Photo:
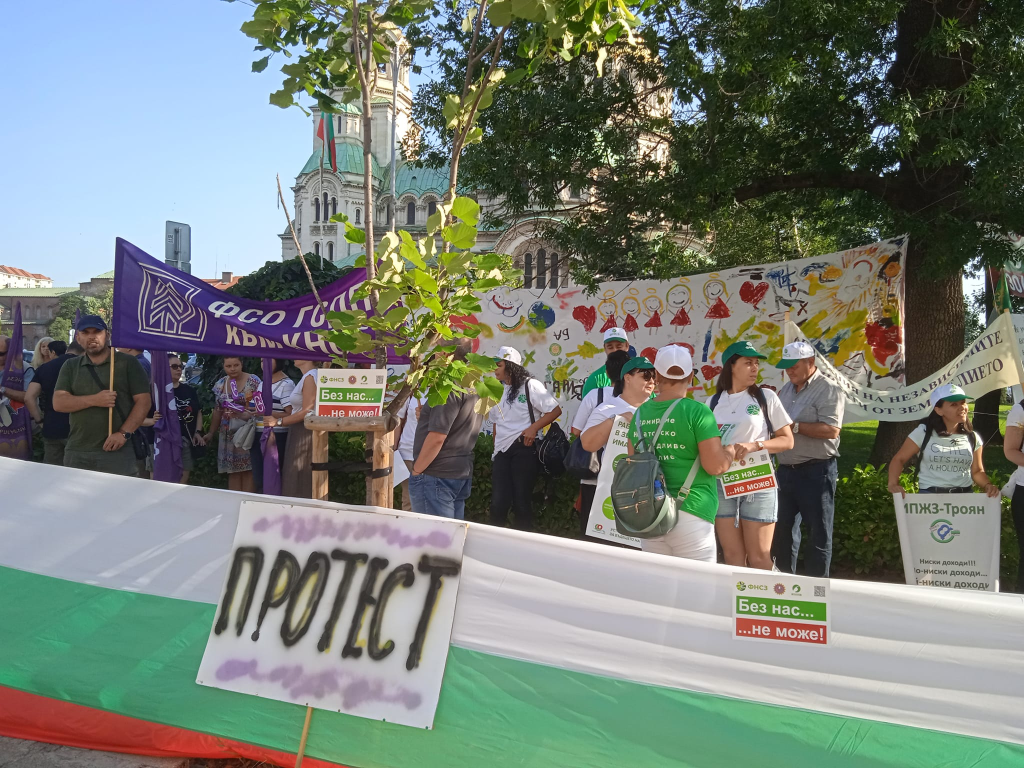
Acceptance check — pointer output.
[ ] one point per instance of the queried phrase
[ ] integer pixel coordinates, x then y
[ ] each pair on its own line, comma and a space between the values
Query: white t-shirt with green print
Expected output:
740, 419
510, 419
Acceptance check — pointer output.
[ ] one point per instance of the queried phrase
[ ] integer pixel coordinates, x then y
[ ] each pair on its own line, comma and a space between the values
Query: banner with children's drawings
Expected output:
850, 303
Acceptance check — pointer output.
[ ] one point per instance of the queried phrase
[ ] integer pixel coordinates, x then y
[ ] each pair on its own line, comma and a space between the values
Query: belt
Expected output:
808, 463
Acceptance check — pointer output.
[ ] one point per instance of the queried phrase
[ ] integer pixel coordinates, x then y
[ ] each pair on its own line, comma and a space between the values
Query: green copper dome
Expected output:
418, 181
350, 160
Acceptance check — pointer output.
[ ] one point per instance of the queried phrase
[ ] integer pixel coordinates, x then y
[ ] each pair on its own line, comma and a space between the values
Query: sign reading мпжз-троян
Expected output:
343, 610
780, 607
350, 392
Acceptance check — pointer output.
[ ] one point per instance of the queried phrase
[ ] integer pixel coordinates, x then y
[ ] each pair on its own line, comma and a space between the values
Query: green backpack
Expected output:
643, 508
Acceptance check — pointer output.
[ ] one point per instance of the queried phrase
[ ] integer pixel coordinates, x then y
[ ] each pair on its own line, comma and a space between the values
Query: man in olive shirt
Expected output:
615, 339
807, 472
85, 396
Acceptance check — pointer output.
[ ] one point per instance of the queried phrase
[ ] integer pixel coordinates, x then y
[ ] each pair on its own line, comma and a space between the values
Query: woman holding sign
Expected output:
950, 448
297, 469
752, 420
234, 394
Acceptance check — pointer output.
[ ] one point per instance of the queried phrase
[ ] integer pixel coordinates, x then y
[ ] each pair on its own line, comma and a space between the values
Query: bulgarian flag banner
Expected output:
325, 132
563, 654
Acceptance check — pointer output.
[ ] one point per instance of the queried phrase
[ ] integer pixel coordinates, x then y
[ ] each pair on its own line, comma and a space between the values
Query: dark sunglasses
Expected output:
176, 367
647, 373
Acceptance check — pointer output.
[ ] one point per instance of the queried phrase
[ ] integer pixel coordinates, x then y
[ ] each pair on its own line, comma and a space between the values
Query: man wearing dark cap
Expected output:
82, 391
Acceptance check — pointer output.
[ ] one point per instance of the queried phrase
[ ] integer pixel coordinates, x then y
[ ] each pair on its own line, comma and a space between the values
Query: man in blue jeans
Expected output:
442, 470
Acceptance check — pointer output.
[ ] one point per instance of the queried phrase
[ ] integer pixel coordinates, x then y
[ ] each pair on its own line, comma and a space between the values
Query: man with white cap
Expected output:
615, 339
807, 472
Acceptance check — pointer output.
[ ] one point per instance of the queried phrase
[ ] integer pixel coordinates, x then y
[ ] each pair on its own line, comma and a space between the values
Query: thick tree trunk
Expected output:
933, 335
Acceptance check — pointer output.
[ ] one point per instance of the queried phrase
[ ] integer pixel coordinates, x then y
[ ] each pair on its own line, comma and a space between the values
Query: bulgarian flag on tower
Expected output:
325, 132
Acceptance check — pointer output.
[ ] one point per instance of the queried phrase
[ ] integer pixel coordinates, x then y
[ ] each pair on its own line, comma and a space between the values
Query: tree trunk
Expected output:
986, 408
933, 335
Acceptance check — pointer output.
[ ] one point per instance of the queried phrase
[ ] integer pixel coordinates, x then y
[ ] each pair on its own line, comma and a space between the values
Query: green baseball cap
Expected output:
741, 349
638, 363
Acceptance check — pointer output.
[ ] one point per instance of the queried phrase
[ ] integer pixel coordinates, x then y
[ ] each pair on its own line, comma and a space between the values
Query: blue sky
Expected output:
121, 114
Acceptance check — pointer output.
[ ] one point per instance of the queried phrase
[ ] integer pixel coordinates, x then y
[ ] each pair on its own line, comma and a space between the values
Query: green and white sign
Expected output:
601, 524
751, 474
950, 540
780, 608
350, 392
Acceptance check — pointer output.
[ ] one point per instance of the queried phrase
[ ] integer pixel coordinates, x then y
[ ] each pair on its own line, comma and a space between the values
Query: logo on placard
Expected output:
743, 586
608, 509
598, 527
753, 410
323, 378
943, 531
740, 586
796, 589
780, 589
351, 379
165, 306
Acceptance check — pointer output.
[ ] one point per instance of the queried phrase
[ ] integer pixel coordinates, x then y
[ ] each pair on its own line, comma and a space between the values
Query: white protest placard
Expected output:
350, 392
751, 474
601, 524
781, 608
337, 609
950, 540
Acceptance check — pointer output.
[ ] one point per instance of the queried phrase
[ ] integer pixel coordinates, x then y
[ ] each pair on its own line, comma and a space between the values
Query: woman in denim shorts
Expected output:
745, 524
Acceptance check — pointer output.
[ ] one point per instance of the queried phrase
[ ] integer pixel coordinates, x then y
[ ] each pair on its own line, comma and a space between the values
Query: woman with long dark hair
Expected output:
751, 419
950, 448
525, 408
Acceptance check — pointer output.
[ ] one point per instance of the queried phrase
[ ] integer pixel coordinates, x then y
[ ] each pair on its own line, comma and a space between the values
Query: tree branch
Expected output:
879, 186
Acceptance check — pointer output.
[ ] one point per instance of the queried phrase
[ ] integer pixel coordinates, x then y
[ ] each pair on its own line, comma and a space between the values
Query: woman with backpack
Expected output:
751, 419
950, 449
525, 408
690, 453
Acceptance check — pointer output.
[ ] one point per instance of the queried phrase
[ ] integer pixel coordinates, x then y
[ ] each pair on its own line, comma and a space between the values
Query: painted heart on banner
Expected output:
710, 372
585, 315
650, 353
752, 294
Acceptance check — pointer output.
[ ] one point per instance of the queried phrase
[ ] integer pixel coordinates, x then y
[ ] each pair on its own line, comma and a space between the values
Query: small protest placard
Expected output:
350, 392
780, 608
751, 474
337, 609
601, 524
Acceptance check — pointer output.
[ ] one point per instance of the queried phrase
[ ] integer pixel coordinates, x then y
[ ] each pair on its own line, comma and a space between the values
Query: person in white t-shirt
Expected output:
592, 400
407, 421
746, 524
1013, 449
516, 465
950, 448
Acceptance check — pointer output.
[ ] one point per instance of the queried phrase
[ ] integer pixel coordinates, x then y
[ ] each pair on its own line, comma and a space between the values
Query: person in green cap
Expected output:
950, 448
751, 419
615, 340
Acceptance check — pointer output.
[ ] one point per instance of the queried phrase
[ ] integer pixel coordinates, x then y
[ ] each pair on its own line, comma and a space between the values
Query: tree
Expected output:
64, 319
902, 116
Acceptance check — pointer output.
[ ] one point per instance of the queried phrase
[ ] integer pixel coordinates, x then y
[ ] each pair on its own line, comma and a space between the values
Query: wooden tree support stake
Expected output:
305, 735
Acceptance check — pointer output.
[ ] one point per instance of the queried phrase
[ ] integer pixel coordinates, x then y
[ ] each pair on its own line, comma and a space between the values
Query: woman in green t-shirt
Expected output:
690, 434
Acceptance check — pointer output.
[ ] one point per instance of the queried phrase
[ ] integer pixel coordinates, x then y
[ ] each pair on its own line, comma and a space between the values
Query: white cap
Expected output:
616, 334
509, 353
673, 356
949, 393
794, 352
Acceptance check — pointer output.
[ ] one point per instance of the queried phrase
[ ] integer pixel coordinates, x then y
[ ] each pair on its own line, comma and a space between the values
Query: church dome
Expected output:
350, 160
418, 181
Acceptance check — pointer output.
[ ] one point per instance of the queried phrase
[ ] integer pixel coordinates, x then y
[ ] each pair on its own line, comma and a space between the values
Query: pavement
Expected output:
17, 753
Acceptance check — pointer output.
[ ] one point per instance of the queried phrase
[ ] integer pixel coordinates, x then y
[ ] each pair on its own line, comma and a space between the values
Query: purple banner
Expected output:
155, 304
16, 438
167, 431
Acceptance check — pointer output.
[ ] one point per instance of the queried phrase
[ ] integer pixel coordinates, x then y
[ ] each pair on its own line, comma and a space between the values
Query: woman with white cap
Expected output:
525, 408
950, 448
751, 419
690, 434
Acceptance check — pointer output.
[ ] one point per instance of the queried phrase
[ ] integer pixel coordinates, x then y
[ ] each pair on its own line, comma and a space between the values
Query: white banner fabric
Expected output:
601, 524
296, 625
993, 361
950, 540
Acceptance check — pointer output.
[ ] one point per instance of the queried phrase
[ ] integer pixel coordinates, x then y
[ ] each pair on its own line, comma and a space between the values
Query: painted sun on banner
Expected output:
849, 303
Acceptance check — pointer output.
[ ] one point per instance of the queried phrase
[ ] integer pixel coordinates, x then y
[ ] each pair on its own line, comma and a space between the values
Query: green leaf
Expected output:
467, 209
434, 222
602, 54
260, 64
460, 235
450, 110
387, 299
500, 13
258, 27
486, 284
515, 76
282, 98
467, 21
433, 305
481, 361
474, 136
353, 235
423, 280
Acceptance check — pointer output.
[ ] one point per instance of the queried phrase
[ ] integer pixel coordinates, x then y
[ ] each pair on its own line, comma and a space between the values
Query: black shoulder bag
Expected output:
139, 444
553, 447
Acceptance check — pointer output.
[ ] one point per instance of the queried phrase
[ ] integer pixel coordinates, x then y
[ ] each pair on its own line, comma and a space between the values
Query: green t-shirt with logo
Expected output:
690, 423
597, 380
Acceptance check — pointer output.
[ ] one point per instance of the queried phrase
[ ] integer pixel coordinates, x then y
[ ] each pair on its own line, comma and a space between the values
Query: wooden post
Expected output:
382, 489
319, 457
305, 731
110, 411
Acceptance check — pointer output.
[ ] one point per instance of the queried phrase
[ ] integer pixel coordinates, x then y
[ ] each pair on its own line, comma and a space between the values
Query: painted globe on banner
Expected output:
541, 316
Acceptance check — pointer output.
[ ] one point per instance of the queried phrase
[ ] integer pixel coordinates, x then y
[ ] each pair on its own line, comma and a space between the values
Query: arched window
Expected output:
341, 125
334, 206
359, 215
542, 268
316, 249
410, 213
325, 208
553, 279
316, 209
431, 208
528, 270
330, 251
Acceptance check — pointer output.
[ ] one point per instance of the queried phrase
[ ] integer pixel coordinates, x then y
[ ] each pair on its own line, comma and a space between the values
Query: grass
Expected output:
857, 440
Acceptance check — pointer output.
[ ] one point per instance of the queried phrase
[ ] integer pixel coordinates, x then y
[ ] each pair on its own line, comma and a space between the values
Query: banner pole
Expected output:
110, 411
302, 741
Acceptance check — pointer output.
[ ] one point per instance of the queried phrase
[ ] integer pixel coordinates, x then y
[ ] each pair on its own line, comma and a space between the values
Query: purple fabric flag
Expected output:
16, 438
167, 431
271, 468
